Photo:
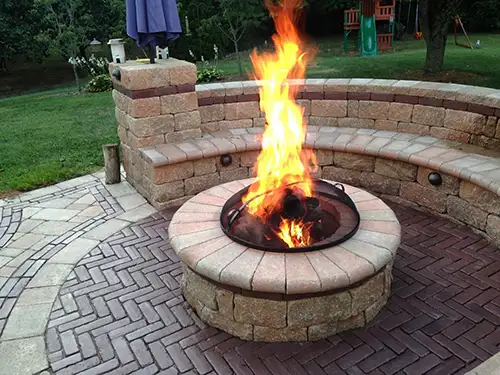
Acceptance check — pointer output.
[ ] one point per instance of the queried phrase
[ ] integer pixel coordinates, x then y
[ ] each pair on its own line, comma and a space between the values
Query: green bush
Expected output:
209, 74
100, 83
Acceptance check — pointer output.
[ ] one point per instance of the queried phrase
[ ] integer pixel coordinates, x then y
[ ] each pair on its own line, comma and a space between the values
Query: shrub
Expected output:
100, 83
209, 74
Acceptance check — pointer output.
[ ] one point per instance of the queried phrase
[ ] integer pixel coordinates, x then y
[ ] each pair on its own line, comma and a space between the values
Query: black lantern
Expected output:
226, 160
435, 179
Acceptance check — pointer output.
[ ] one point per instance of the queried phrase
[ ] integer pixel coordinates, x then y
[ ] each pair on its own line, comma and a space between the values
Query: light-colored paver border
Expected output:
34, 264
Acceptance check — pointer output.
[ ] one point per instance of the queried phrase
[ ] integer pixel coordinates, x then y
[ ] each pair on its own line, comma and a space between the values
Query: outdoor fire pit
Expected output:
283, 295
285, 257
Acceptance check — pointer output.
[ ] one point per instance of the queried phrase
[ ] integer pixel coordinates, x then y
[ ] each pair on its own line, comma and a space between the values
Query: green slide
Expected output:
369, 45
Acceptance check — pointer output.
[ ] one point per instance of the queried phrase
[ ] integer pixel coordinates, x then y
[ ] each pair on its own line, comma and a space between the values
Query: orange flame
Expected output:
282, 160
295, 233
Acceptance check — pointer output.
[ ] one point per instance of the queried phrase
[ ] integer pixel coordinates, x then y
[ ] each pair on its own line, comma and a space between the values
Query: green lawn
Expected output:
52, 136
55, 135
476, 67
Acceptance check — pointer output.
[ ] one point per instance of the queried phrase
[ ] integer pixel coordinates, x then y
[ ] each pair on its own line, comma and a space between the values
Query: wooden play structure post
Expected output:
458, 22
111, 164
364, 21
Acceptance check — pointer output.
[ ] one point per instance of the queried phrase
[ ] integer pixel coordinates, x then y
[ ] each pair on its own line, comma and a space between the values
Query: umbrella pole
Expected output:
152, 54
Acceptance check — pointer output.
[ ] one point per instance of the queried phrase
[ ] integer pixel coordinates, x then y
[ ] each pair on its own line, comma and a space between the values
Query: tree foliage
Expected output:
19, 25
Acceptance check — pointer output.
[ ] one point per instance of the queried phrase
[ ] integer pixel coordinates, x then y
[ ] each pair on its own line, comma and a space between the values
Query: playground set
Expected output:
374, 23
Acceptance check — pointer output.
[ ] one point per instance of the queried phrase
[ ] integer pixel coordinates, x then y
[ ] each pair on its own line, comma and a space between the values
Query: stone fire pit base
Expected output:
280, 317
272, 296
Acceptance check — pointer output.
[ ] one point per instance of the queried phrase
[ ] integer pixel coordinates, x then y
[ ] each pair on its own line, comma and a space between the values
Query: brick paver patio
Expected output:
120, 310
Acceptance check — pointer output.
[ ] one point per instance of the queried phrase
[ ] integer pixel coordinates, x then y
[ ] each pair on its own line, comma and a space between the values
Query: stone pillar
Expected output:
154, 104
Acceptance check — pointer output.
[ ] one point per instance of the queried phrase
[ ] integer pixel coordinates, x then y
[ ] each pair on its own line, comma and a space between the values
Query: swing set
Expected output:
385, 10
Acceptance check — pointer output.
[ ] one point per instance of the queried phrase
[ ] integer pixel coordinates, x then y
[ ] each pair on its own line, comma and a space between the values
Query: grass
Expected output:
56, 135
52, 136
475, 67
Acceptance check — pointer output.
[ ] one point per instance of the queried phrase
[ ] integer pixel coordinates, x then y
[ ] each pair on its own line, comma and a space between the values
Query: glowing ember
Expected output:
282, 160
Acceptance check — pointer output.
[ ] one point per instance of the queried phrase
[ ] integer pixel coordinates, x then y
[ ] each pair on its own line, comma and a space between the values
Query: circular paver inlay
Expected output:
268, 296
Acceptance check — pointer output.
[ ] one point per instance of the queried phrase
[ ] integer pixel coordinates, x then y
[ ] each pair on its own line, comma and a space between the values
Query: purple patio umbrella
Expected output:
153, 23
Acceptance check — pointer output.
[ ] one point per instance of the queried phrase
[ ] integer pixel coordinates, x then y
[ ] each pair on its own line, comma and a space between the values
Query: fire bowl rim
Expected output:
314, 247
197, 238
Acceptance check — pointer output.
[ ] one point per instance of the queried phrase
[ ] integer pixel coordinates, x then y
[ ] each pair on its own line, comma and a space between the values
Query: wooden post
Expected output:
111, 164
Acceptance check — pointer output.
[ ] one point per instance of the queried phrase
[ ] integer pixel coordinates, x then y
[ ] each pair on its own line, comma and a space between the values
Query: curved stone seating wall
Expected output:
393, 165
447, 111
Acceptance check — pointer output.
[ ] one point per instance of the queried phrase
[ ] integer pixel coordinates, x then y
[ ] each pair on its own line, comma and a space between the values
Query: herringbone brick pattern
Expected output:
122, 312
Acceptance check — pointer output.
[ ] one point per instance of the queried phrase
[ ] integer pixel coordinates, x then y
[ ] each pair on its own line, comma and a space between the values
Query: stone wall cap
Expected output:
200, 243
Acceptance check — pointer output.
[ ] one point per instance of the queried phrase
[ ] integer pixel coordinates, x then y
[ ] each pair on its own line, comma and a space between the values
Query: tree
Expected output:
435, 18
19, 25
237, 17
61, 27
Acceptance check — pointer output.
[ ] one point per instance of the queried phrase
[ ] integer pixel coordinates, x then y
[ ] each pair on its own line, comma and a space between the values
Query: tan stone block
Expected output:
373, 110
121, 117
248, 159
396, 169
259, 122
182, 72
321, 331
260, 311
358, 123
194, 185
218, 320
199, 288
225, 302
306, 104
211, 113
318, 310
268, 334
188, 120
148, 107
182, 135
123, 102
149, 126
244, 110
482, 141
324, 157
179, 103
467, 122
175, 172
400, 112
497, 133
228, 175
354, 161
353, 322
137, 142
429, 198
479, 197
386, 125
329, 108
493, 228
467, 213
122, 134
490, 127
323, 121
353, 108
166, 192
450, 184
235, 124
342, 175
410, 127
210, 126
380, 184
449, 134
433, 116
204, 166
367, 293
373, 310
136, 76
